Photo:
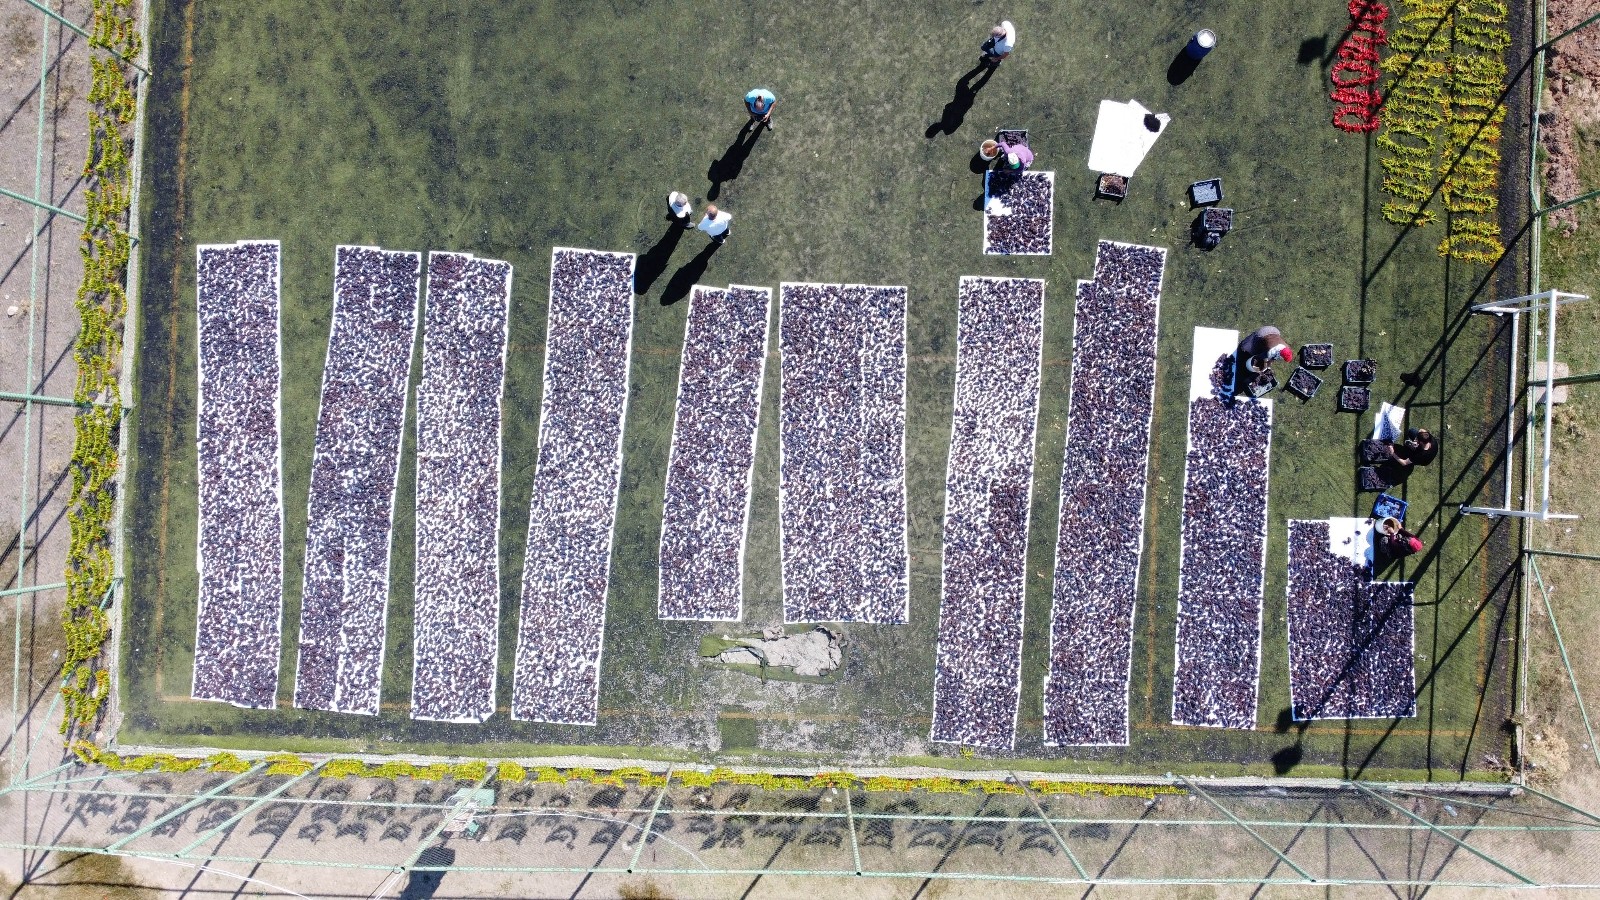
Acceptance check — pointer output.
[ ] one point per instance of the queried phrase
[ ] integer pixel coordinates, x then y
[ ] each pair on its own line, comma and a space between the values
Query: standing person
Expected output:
760, 102
679, 210
716, 224
1002, 40
1264, 345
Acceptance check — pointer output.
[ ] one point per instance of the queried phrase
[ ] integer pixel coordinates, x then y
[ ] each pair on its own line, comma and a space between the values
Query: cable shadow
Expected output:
688, 275
955, 112
727, 167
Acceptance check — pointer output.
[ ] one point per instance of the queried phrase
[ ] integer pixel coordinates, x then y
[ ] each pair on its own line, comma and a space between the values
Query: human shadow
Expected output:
425, 885
688, 275
654, 261
955, 112
727, 167
1183, 65
1312, 49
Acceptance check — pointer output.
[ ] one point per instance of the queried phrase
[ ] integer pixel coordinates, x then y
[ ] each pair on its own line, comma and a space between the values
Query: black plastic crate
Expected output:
1316, 356
1205, 193
1369, 480
1218, 219
1354, 399
1303, 383
1360, 371
1111, 187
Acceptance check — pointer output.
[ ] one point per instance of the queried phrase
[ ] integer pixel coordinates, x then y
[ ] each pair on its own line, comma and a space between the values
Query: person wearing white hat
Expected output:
679, 209
1002, 39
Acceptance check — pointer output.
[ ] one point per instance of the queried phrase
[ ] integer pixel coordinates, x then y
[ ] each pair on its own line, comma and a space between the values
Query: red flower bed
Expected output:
1355, 74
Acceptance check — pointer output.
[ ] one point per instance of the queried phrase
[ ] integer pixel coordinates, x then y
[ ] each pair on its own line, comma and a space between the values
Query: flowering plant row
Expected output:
101, 302
1355, 74
1442, 126
508, 772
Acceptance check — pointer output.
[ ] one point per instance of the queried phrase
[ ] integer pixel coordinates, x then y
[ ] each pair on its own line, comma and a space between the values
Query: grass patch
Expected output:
503, 131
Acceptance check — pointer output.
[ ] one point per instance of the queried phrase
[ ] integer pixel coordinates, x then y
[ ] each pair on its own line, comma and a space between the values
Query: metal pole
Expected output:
49, 715
1060, 842
1581, 198
1566, 661
1564, 554
50, 401
1561, 803
850, 816
260, 801
208, 795
1549, 397
1513, 513
27, 409
1576, 379
1444, 834
1511, 410
23, 785
1248, 830
32, 589
650, 823
73, 26
7, 192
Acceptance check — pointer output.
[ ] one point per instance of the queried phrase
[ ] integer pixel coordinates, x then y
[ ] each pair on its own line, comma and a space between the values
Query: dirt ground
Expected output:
1572, 98
39, 275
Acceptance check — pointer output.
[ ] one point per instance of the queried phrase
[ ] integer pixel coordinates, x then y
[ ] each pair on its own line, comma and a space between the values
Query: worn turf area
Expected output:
504, 129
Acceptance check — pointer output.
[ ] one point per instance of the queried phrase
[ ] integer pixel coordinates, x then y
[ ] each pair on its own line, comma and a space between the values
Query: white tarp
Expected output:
1351, 538
1121, 138
1390, 423
1209, 345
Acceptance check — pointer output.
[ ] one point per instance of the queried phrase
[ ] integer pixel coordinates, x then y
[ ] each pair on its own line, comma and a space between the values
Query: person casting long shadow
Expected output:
955, 112
688, 275
727, 168
654, 261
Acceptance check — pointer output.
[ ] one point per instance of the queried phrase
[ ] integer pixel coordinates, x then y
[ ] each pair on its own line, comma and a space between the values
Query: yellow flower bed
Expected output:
1442, 122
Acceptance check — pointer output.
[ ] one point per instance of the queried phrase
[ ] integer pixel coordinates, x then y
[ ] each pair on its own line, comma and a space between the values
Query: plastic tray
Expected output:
1386, 505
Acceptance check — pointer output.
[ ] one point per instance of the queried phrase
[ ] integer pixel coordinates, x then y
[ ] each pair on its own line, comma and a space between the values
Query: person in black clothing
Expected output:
1418, 449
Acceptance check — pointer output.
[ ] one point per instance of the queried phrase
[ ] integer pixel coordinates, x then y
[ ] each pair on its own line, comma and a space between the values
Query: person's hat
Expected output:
678, 197
1285, 353
1013, 160
1415, 544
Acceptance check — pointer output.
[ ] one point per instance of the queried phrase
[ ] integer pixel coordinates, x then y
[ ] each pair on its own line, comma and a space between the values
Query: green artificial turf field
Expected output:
505, 129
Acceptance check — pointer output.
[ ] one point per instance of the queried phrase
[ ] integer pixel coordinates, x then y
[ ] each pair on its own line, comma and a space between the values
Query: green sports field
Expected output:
506, 129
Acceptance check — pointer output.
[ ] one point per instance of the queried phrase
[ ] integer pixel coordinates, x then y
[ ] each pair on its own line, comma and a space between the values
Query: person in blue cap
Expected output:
760, 102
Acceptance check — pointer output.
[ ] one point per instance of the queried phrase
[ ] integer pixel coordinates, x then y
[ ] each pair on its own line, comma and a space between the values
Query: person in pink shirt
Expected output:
1016, 157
